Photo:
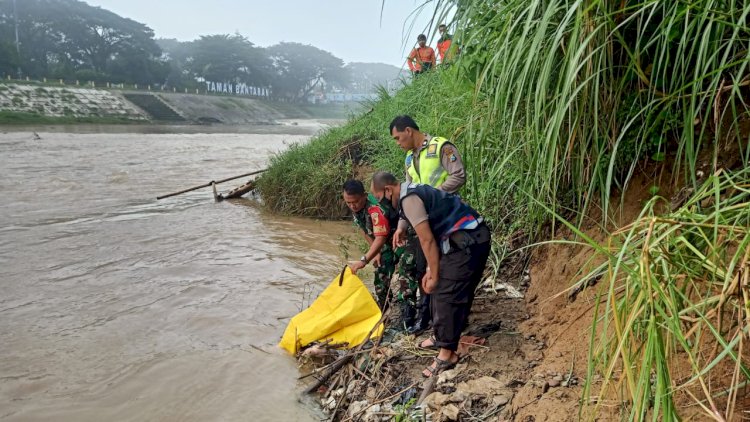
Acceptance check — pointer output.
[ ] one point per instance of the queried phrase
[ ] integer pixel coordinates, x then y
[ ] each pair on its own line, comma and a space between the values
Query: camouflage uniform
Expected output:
388, 258
408, 276
447, 174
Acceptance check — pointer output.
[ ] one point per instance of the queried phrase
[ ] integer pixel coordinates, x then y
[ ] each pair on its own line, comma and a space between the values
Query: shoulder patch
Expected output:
409, 158
449, 152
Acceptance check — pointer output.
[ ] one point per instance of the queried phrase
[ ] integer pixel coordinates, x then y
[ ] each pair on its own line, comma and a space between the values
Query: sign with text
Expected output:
236, 89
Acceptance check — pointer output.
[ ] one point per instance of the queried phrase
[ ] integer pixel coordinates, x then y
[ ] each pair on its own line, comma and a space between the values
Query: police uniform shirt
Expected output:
451, 162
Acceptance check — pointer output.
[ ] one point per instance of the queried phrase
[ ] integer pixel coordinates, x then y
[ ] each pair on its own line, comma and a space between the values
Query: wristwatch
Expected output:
363, 258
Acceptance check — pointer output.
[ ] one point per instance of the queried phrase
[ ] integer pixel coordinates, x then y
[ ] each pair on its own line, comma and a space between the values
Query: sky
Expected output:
350, 29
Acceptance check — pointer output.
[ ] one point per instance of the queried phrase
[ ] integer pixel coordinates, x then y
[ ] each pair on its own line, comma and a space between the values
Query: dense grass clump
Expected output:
307, 179
677, 309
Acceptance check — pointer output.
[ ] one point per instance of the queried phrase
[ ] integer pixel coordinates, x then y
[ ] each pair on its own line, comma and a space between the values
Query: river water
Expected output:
116, 306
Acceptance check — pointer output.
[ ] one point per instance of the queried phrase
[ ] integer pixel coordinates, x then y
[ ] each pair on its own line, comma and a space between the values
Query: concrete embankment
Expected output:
89, 104
220, 109
67, 102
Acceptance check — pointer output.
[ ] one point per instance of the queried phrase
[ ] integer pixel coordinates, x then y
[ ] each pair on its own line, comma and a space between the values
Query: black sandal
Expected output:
433, 346
440, 366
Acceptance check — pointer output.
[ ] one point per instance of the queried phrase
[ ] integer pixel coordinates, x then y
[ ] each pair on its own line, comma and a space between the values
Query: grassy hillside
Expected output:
555, 106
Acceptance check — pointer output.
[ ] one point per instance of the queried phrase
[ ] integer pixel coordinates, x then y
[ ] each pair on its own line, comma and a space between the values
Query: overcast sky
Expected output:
350, 29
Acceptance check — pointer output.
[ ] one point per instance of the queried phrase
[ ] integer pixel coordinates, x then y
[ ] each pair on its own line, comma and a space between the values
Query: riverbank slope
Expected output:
618, 197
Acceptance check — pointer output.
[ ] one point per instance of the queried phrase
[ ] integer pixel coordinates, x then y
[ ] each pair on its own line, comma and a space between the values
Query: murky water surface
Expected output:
115, 306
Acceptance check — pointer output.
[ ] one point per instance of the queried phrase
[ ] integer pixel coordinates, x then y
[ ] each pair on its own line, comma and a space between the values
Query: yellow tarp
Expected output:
343, 313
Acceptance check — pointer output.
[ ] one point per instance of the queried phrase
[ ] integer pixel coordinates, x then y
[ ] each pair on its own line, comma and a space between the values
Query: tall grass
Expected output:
575, 94
673, 330
307, 179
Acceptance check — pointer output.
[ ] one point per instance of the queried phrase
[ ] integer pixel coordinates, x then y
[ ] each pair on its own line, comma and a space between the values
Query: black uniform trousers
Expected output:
460, 273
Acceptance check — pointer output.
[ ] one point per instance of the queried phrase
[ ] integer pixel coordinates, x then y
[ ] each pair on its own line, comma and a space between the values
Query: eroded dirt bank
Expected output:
525, 358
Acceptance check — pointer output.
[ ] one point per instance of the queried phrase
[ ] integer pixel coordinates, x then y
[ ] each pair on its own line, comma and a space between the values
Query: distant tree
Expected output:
300, 69
8, 59
38, 33
177, 54
68, 37
228, 58
367, 76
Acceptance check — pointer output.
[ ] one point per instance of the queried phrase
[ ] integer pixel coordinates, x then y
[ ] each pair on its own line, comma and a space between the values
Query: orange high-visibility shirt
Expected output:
420, 56
443, 47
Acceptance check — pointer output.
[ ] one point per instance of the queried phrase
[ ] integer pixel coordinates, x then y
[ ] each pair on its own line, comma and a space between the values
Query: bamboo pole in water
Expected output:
205, 185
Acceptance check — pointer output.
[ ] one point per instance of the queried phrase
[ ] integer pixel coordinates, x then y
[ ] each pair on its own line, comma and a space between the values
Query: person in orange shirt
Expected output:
422, 58
444, 43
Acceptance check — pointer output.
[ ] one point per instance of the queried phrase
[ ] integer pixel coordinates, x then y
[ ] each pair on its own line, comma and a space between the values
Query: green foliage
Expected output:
403, 413
298, 179
59, 38
676, 310
300, 69
229, 58
581, 91
68, 39
8, 58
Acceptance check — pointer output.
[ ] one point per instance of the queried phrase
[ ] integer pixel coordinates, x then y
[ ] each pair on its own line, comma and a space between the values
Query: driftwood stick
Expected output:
323, 368
343, 360
209, 184
216, 194
332, 370
428, 386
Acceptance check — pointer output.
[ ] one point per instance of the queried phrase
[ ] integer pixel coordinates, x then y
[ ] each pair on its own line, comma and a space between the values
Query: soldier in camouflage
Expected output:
377, 222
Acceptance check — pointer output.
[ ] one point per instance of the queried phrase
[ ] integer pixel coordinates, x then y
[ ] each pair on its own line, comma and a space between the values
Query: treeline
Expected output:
69, 39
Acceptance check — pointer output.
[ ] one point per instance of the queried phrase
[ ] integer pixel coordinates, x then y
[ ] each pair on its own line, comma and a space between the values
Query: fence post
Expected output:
77, 82
174, 89
136, 86
196, 90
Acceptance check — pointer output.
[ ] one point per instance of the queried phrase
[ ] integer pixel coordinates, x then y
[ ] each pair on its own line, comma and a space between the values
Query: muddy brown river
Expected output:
116, 306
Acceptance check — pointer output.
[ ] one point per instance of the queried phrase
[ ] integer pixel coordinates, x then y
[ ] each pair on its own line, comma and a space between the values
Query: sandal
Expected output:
432, 346
440, 366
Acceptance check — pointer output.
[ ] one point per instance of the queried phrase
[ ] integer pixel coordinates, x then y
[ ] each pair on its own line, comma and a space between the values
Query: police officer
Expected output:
377, 223
432, 161
456, 243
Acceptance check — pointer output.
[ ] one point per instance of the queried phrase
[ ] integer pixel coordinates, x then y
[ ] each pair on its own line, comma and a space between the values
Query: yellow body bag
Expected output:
344, 312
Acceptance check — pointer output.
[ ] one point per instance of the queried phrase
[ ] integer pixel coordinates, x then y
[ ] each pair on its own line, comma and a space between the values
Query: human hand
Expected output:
428, 282
376, 261
399, 238
356, 266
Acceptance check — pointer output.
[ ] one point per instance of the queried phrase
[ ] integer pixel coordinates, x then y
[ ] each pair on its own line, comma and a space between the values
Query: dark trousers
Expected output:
460, 273
424, 313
